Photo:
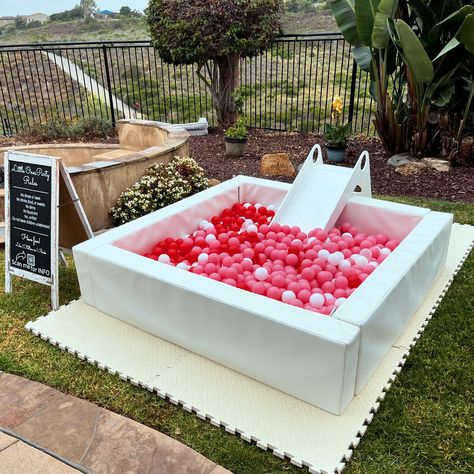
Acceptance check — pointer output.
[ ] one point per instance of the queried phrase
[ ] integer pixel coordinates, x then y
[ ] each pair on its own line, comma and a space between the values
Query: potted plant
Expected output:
236, 138
336, 134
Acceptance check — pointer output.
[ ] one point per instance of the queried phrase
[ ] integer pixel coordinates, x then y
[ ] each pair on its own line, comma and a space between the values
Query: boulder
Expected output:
213, 182
437, 164
399, 160
277, 164
411, 168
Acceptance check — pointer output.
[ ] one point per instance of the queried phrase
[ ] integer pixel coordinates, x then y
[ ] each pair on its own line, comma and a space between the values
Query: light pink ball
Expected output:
260, 273
316, 300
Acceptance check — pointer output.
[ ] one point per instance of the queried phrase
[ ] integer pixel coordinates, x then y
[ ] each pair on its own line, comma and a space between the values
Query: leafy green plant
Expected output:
216, 36
239, 130
415, 45
161, 185
58, 129
337, 134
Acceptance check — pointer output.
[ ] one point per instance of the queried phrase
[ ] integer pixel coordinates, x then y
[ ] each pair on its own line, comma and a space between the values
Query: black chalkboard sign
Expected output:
31, 219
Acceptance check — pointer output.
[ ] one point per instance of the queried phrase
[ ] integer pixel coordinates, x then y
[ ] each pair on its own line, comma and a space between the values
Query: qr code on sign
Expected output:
30, 260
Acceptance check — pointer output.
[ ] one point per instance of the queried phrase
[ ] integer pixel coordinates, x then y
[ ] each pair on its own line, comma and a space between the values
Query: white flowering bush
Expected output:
162, 184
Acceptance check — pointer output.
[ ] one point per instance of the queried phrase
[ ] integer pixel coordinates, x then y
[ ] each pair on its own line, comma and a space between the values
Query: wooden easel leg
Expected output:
62, 258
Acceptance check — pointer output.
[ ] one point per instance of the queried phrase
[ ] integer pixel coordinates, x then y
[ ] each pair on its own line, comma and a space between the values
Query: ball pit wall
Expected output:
286, 347
319, 359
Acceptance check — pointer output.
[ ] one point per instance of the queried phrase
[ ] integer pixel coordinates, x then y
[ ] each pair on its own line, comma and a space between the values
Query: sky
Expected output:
27, 7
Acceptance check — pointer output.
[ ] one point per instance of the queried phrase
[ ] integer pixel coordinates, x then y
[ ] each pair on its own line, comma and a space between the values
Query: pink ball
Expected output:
321, 235
391, 244
210, 268
274, 292
381, 238
328, 287
305, 284
214, 244
198, 269
308, 274
278, 281
215, 276
258, 288
274, 254
375, 252
294, 286
229, 281
268, 251
304, 295
341, 282
296, 302
291, 259
366, 252
323, 276
331, 247
227, 261
214, 258
234, 242
339, 293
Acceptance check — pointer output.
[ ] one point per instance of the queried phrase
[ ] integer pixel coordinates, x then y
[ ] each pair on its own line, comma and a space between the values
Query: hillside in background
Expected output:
136, 29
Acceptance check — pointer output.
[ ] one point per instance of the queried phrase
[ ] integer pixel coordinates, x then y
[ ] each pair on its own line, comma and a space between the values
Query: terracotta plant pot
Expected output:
336, 153
235, 146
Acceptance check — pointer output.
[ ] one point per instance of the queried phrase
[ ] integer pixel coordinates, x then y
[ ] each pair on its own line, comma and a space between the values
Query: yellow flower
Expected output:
337, 105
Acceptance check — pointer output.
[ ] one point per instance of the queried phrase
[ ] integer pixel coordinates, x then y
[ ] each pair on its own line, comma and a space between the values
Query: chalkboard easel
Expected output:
31, 220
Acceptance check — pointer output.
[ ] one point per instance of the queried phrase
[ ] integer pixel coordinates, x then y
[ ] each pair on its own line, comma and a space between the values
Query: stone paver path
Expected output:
17, 457
86, 435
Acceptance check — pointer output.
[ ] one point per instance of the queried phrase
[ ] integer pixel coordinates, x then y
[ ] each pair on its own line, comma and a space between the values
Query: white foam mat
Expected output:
289, 427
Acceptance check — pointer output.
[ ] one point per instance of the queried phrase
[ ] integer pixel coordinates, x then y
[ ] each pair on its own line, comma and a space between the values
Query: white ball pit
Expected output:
322, 360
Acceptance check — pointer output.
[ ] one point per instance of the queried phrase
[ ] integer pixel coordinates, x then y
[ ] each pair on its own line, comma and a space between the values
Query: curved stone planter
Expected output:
101, 172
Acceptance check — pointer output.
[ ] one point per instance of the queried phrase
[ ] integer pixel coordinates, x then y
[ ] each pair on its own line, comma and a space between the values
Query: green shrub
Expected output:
56, 128
239, 130
161, 185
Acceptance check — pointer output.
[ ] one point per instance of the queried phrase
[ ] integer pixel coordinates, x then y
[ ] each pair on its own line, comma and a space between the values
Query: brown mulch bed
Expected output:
455, 185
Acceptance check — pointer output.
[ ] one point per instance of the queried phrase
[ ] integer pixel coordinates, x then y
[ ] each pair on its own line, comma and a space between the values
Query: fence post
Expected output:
352, 93
109, 85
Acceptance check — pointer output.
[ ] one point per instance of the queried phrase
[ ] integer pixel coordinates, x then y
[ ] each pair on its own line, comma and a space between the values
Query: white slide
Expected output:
320, 192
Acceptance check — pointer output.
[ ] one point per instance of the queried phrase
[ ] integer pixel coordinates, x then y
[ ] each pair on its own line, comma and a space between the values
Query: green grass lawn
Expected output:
424, 425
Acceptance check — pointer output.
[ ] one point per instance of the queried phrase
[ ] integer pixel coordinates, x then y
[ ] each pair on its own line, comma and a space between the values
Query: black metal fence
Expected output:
289, 87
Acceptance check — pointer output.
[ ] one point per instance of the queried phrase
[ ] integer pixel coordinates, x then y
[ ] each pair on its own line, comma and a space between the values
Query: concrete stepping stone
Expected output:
87, 435
21, 458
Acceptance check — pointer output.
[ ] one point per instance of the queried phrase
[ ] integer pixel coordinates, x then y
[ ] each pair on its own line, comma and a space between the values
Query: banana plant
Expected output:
363, 24
423, 44
429, 81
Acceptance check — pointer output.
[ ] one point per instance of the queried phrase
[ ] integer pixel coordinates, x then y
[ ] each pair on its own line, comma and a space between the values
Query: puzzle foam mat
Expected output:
256, 412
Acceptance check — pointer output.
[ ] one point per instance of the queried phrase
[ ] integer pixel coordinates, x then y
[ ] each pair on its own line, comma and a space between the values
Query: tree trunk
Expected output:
228, 80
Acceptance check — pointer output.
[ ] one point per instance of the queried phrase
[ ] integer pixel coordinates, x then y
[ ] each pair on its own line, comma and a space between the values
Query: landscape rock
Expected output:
399, 160
411, 168
437, 164
213, 182
277, 164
